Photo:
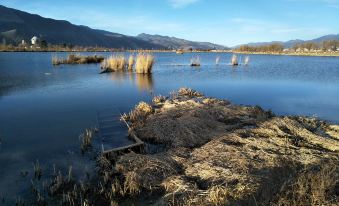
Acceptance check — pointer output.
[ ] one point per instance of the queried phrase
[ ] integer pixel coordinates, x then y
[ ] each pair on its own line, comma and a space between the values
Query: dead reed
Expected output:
247, 60
114, 63
130, 62
76, 59
37, 170
195, 61
144, 63
86, 139
217, 60
234, 60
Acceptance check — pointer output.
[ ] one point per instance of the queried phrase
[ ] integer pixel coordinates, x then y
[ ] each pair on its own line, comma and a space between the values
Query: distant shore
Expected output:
90, 49
320, 54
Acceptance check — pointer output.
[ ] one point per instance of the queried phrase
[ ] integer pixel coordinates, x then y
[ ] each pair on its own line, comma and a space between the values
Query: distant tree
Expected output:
43, 44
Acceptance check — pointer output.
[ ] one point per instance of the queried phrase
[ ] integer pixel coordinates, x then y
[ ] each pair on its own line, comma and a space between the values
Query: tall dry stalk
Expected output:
234, 60
247, 60
130, 62
195, 61
114, 63
217, 60
144, 63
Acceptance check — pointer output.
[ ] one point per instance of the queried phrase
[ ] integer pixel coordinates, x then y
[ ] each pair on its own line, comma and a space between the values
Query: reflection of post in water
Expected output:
144, 81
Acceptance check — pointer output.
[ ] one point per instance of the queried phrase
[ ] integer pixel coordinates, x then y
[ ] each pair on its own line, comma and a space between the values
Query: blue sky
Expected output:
219, 21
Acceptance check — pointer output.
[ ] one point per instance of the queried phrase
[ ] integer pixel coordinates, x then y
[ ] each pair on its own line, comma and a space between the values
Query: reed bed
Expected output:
76, 59
195, 61
144, 63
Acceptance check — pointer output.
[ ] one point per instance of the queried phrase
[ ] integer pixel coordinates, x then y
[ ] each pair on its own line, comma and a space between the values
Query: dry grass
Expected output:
86, 139
233, 155
247, 60
158, 99
218, 195
37, 170
195, 61
217, 60
76, 59
131, 62
144, 63
139, 114
114, 63
315, 185
234, 60
189, 92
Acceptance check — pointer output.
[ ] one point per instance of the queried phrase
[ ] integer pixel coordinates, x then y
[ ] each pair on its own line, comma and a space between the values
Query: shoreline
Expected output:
325, 54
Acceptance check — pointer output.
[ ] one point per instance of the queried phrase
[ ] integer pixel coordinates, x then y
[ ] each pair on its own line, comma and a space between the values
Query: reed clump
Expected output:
37, 170
195, 61
217, 60
114, 63
144, 63
86, 139
247, 60
76, 59
234, 60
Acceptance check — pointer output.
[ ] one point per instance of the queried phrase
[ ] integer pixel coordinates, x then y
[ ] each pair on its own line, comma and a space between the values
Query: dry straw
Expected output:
144, 63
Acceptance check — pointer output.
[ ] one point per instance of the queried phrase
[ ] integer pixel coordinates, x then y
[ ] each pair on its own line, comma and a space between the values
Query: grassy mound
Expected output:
224, 154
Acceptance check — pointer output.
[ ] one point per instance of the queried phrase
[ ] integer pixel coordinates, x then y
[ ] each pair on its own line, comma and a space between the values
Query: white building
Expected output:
34, 40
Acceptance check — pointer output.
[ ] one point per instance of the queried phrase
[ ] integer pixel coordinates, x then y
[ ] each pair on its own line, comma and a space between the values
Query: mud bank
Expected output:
218, 153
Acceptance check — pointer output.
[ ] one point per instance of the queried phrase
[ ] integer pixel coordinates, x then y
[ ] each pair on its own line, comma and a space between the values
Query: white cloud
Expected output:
181, 3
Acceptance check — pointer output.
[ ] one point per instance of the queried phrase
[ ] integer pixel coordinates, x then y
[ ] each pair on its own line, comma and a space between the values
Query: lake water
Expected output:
43, 108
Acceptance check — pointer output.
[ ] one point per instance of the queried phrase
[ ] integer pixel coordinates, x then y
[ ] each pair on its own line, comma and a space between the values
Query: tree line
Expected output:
329, 45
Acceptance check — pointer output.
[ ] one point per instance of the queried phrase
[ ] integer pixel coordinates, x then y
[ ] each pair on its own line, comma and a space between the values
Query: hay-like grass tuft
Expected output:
144, 63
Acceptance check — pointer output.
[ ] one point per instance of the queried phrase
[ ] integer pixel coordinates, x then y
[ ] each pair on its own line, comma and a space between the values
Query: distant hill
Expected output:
17, 25
176, 43
289, 44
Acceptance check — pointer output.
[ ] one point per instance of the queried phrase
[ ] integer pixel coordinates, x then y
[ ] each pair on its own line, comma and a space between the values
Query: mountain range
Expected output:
17, 25
291, 43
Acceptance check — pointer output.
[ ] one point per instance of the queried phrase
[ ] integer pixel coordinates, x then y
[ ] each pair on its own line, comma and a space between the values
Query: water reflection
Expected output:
144, 82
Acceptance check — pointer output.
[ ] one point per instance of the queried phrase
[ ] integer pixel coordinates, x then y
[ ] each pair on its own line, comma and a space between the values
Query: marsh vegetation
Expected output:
143, 63
76, 59
215, 153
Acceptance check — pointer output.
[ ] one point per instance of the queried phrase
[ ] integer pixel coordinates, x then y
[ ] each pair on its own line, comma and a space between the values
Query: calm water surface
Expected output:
43, 109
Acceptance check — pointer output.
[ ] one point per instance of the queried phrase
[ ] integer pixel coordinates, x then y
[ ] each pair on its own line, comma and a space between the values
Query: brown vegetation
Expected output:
195, 61
77, 59
144, 63
224, 154
114, 63
215, 153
